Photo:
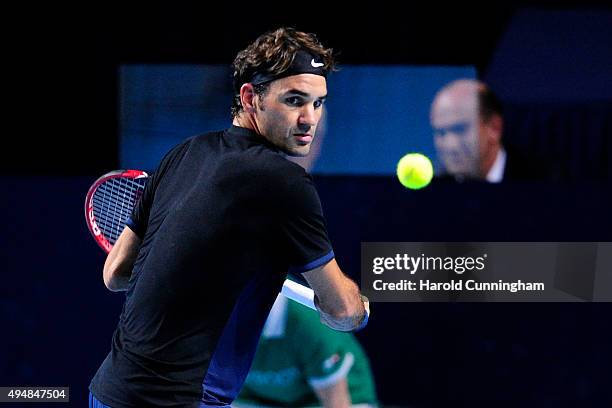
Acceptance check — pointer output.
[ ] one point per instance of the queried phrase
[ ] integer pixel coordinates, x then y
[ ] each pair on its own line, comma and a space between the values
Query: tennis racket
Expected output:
109, 203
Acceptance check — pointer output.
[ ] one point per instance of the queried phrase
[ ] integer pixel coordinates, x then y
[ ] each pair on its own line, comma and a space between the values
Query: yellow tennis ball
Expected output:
414, 170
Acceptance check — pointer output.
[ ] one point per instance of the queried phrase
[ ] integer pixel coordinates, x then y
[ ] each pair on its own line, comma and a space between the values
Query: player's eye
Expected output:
294, 101
318, 103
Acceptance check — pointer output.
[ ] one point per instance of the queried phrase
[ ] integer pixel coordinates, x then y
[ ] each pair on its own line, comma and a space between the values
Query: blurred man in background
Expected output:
467, 122
468, 125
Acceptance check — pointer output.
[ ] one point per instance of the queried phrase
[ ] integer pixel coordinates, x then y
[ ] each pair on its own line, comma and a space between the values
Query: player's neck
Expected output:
245, 121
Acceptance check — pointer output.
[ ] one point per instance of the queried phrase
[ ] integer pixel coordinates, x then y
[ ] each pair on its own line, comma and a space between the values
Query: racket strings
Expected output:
113, 202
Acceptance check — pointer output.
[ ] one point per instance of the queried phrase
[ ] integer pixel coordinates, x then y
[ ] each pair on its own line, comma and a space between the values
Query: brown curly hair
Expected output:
273, 53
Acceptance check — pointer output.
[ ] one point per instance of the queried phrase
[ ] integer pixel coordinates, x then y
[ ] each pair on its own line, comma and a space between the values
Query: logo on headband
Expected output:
316, 64
303, 63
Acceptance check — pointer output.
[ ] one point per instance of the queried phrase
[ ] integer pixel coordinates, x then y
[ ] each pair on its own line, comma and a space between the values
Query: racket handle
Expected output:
299, 293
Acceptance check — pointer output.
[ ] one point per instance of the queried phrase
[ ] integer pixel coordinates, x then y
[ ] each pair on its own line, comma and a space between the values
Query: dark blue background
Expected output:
58, 317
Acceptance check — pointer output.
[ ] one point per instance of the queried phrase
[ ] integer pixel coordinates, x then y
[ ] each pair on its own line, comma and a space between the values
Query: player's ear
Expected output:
247, 97
496, 124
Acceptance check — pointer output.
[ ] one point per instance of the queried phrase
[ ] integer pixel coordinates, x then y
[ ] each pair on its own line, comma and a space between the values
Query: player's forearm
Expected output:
120, 261
117, 275
337, 298
117, 284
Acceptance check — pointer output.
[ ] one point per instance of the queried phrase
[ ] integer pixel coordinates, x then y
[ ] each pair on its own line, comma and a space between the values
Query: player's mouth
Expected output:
303, 138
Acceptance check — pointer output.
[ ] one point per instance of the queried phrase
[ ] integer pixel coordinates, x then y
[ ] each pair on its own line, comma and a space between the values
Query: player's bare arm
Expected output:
120, 260
337, 297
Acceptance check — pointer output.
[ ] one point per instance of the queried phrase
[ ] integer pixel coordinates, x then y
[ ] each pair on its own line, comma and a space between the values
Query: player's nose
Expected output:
307, 119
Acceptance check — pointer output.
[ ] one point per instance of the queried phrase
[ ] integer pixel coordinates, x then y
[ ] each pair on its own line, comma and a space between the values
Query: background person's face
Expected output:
455, 126
290, 111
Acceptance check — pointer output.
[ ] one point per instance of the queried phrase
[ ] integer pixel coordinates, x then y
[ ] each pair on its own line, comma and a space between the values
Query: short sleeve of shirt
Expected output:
139, 218
304, 229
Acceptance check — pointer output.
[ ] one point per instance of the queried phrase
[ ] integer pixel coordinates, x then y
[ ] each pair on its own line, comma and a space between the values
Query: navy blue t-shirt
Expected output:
222, 220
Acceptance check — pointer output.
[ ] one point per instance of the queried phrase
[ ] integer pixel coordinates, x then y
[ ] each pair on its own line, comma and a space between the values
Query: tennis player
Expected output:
219, 225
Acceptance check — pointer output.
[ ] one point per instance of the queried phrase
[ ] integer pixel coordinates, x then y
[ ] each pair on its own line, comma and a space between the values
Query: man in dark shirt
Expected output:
219, 225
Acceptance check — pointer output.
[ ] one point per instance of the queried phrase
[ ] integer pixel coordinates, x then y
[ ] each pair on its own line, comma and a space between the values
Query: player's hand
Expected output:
346, 323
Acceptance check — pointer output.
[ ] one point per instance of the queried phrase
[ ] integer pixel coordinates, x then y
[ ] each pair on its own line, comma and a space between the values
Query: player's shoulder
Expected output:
205, 139
292, 182
198, 145
189, 146
273, 166
285, 169
192, 141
